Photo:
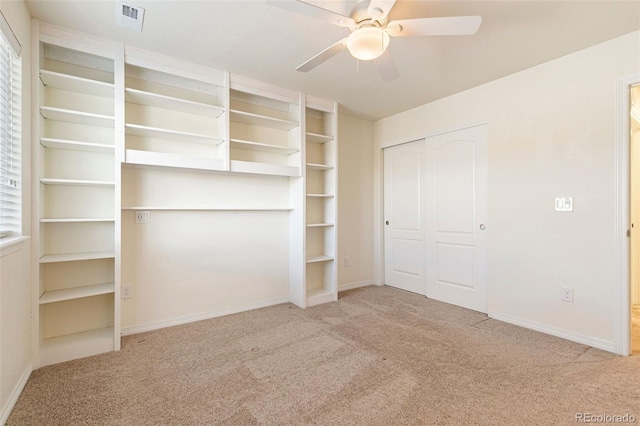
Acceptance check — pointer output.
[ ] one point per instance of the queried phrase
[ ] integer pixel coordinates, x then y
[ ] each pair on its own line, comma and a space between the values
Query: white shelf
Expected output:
264, 168
239, 116
318, 225
314, 166
319, 258
319, 296
76, 145
77, 220
320, 195
213, 209
175, 104
80, 117
317, 138
155, 132
264, 147
71, 257
77, 345
75, 182
76, 84
150, 158
76, 293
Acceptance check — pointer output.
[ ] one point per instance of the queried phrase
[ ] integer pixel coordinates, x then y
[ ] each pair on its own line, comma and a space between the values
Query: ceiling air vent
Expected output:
129, 17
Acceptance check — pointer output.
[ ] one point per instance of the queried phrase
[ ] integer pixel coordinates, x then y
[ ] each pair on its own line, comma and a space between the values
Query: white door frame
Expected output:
380, 225
622, 297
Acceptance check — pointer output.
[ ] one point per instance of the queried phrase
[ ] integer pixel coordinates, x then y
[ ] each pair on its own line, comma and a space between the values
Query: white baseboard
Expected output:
351, 286
564, 334
198, 317
15, 394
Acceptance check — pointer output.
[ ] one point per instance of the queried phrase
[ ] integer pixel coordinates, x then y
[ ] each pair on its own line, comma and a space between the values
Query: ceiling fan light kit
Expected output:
367, 43
370, 31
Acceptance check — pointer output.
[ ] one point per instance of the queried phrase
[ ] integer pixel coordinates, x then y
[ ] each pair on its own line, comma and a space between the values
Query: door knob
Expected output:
482, 227
387, 222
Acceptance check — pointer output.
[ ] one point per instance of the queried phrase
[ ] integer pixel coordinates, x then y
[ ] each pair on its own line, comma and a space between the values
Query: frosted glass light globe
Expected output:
367, 43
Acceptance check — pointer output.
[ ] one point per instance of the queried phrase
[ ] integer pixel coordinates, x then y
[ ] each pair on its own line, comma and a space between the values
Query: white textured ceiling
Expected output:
253, 39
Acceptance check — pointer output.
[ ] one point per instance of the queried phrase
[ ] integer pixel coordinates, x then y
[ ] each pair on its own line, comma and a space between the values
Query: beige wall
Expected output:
551, 134
355, 197
15, 260
188, 265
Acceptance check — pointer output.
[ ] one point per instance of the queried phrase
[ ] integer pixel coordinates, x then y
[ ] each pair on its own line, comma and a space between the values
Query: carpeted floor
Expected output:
378, 356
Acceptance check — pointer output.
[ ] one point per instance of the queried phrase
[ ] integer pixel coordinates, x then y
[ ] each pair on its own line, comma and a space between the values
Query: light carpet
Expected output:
378, 356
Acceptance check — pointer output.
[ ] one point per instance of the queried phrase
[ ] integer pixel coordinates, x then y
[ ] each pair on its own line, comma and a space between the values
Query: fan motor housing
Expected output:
360, 15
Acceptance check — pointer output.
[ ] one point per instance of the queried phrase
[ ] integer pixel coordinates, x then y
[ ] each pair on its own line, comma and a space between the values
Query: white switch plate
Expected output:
564, 204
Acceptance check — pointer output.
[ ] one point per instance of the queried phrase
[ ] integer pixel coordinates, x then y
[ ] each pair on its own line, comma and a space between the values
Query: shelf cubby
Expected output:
319, 258
172, 103
75, 182
79, 117
160, 133
77, 84
318, 138
73, 257
76, 293
76, 345
264, 147
150, 158
252, 119
76, 145
319, 167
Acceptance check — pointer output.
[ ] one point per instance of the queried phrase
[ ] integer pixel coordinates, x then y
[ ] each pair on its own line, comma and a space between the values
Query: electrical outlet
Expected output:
567, 294
143, 217
126, 292
347, 262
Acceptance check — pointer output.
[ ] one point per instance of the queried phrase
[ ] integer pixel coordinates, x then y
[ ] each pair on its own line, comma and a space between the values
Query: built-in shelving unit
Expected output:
192, 145
320, 215
172, 120
75, 311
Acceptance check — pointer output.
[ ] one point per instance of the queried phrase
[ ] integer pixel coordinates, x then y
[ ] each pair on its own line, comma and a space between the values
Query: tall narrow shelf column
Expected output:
321, 201
74, 240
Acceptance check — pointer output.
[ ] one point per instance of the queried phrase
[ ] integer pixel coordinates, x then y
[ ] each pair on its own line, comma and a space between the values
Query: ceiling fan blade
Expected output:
452, 25
327, 53
312, 11
379, 9
387, 67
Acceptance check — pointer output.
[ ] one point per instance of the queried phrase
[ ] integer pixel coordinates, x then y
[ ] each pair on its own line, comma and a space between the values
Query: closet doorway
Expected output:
435, 217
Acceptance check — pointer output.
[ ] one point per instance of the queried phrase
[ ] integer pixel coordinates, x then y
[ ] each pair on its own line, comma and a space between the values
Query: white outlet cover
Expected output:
564, 204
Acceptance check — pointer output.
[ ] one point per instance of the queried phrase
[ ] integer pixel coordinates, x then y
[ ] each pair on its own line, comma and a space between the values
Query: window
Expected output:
10, 133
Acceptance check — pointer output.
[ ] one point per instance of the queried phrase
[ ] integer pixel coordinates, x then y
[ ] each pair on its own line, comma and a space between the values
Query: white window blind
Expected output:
10, 138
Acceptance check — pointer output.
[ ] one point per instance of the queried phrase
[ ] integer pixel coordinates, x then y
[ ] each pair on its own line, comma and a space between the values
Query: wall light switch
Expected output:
564, 204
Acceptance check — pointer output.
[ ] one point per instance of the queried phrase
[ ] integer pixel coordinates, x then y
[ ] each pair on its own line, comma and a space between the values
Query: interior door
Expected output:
456, 213
404, 216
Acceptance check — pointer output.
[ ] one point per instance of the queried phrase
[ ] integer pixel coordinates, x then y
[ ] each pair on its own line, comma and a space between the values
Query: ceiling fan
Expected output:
370, 29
